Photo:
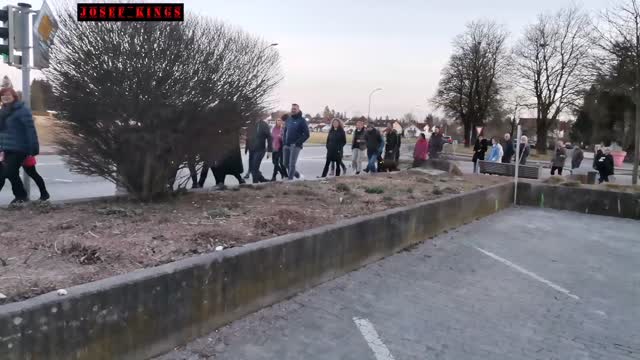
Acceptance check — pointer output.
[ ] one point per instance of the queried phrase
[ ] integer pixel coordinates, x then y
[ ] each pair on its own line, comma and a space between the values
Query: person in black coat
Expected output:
509, 150
336, 140
436, 143
479, 150
392, 148
374, 142
604, 164
225, 162
259, 142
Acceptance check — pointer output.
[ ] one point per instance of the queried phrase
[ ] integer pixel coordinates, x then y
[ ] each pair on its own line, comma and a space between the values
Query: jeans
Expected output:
356, 162
11, 170
278, 164
373, 162
291, 153
554, 168
255, 160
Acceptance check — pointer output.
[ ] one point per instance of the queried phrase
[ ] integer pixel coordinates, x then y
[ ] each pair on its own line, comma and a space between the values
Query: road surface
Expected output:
522, 284
65, 185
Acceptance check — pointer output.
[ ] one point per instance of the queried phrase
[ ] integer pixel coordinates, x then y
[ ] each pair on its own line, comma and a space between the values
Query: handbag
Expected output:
29, 161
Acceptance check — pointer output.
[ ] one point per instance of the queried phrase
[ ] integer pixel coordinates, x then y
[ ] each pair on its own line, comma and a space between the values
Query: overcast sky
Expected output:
334, 52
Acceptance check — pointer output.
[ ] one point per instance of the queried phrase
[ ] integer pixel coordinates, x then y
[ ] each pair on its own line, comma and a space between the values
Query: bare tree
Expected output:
470, 86
408, 118
552, 65
136, 100
619, 65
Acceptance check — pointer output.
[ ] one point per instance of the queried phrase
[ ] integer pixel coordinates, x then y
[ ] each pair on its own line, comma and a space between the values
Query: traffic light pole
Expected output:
25, 12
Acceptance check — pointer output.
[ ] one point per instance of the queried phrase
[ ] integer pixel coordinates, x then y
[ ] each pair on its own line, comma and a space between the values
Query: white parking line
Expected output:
373, 339
529, 273
63, 180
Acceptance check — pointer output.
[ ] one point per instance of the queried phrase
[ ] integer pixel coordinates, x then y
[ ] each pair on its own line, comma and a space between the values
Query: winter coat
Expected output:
374, 140
509, 152
276, 139
17, 130
296, 131
524, 153
496, 153
596, 158
392, 147
605, 164
559, 157
421, 149
479, 150
359, 141
259, 138
436, 143
578, 156
229, 160
336, 140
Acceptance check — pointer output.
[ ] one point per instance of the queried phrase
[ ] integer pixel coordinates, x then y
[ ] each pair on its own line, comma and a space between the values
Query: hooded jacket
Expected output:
296, 131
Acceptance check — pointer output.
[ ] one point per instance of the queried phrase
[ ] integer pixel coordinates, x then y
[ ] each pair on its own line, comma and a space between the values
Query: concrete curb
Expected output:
580, 199
148, 312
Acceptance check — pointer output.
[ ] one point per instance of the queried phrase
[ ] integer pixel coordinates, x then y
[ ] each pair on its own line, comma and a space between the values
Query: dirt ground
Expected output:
46, 247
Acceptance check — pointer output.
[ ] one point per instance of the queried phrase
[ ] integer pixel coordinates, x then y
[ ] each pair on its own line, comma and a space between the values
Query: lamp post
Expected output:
370, 95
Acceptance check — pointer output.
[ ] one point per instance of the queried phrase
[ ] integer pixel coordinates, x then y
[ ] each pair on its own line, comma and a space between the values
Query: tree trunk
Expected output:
541, 132
467, 133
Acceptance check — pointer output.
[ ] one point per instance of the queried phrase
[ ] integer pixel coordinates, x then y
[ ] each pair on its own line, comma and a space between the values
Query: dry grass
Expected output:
60, 246
320, 138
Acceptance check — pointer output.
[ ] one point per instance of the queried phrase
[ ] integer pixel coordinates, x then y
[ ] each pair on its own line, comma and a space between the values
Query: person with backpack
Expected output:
18, 140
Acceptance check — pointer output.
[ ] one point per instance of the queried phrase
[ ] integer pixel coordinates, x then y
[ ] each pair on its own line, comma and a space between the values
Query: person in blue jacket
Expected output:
496, 153
18, 139
296, 133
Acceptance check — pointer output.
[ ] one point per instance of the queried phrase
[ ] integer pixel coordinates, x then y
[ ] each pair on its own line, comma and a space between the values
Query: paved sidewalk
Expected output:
523, 284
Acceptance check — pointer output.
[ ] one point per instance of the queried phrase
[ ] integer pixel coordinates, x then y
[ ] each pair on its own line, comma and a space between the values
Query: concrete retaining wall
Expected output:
580, 199
149, 312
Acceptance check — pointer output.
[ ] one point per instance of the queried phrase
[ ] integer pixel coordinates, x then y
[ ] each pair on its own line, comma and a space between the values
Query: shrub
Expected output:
374, 190
342, 187
137, 100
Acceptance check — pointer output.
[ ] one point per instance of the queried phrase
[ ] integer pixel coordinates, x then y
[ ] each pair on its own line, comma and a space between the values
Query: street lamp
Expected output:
370, 95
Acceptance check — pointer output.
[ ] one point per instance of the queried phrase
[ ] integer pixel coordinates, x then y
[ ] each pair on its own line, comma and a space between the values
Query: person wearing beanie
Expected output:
18, 140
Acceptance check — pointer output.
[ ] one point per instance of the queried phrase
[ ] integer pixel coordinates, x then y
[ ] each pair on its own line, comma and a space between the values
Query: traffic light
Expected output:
6, 34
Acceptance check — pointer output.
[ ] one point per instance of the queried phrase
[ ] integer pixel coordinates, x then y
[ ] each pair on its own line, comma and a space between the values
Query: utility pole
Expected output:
636, 159
25, 47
